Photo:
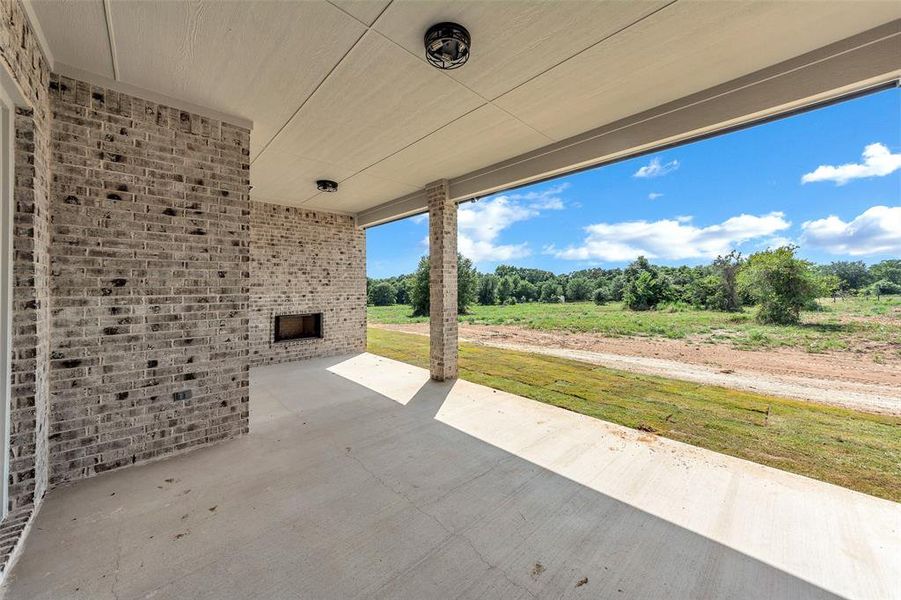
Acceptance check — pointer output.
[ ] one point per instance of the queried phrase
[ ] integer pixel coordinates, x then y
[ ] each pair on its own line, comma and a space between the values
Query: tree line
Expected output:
776, 281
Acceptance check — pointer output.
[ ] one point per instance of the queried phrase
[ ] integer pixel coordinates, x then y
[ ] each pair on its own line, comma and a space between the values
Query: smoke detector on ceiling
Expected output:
447, 45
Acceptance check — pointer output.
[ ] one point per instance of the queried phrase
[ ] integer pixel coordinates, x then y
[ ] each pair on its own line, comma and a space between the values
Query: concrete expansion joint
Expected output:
450, 532
493, 567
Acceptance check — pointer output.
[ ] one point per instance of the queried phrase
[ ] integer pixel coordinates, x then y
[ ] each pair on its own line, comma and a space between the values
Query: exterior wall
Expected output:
150, 255
147, 221
301, 262
442, 282
29, 407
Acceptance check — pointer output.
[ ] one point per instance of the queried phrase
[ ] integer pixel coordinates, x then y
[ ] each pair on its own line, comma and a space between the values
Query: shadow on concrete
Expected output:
343, 492
544, 531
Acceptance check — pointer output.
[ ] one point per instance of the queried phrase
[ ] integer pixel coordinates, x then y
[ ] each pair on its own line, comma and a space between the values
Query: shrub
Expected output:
616, 288
383, 294
883, 287
780, 283
676, 306
578, 289
644, 286
887, 269
550, 292
601, 296
403, 290
506, 288
851, 275
727, 268
706, 292
526, 291
487, 293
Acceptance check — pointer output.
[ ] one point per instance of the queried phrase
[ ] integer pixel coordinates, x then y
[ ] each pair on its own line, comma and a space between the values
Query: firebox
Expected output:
297, 327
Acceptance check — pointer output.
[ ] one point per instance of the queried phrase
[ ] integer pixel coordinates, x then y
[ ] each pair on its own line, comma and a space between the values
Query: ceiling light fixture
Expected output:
447, 45
326, 185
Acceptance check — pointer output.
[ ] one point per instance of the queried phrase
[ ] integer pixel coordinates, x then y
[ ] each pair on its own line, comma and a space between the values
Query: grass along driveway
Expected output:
861, 324
857, 450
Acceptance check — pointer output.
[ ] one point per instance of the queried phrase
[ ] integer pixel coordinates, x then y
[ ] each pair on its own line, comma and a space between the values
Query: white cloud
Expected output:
481, 223
420, 218
655, 168
654, 196
670, 239
877, 230
777, 241
878, 161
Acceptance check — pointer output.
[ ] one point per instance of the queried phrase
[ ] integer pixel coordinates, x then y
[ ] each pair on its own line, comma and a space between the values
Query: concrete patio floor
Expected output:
362, 479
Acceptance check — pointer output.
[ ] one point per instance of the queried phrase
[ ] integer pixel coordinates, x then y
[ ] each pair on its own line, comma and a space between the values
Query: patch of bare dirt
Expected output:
848, 379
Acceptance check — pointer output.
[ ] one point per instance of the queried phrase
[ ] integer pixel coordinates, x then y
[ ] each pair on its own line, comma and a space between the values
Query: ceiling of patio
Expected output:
341, 90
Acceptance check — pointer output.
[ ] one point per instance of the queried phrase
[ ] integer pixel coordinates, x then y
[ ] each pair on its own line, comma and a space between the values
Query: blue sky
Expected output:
828, 180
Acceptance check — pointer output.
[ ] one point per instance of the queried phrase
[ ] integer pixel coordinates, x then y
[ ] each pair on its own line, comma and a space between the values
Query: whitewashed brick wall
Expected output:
304, 261
29, 401
150, 275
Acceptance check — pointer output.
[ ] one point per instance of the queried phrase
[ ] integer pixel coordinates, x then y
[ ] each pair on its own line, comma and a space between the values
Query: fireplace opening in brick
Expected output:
298, 327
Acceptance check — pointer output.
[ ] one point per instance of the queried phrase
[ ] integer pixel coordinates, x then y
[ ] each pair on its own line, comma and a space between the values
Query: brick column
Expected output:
442, 282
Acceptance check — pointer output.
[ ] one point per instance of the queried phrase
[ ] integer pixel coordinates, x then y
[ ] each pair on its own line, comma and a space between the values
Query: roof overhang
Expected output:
863, 63
341, 89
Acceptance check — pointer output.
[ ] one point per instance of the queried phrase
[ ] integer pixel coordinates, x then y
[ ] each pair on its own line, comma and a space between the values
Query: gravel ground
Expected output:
843, 379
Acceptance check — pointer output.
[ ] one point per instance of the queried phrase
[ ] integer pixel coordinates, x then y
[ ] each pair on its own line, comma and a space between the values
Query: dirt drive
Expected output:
845, 379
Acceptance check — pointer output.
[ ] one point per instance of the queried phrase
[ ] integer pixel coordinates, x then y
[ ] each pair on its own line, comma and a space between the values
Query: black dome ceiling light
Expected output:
326, 185
447, 45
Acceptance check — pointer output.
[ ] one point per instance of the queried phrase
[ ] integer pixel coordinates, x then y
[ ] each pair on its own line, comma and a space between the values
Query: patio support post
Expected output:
442, 281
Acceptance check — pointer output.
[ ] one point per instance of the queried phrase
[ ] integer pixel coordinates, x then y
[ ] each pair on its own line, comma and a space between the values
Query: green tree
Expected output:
828, 285
526, 291
467, 280
466, 286
644, 286
487, 292
616, 287
853, 275
506, 287
533, 276
403, 290
727, 268
889, 270
550, 292
601, 295
419, 289
382, 294
883, 287
705, 292
578, 289
780, 284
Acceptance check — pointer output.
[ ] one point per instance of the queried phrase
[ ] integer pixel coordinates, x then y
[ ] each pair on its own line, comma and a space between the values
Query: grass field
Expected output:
860, 451
845, 324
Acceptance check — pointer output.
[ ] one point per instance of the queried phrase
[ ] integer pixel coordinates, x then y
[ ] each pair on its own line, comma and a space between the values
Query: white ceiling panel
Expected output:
684, 48
258, 60
90, 49
340, 89
288, 179
365, 10
359, 192
377, 101
465, 145
512, 40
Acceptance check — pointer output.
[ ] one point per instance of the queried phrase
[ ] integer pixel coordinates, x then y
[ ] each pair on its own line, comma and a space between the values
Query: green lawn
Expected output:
843, 325
857, 450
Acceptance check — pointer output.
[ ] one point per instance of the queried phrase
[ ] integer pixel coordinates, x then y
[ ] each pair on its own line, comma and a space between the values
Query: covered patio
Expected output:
188, 407
361, 478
